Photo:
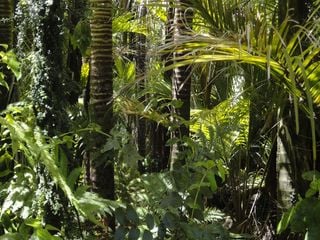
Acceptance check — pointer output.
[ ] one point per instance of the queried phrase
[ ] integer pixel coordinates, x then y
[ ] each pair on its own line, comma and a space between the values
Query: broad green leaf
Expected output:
12, 236
150, 221
120, 233
35, 223
127, 23
170, 220
147, 235
73, 177
209, 164
81, 37
199, 185
132, 215
120, 216
285, 220
44, 234
5, 46
212, 180
134, 234
12, 63
313, 233
172, 200
3, 81
62, 161
5, 172
51, 228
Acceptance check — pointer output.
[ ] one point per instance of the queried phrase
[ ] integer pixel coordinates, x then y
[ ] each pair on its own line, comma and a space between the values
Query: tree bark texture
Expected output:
181, 79
101, 93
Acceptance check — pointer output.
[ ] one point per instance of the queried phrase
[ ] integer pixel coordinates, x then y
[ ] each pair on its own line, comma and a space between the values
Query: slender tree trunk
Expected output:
101, 93
160, 152
289, 165
141, 72
181, 80
284, 170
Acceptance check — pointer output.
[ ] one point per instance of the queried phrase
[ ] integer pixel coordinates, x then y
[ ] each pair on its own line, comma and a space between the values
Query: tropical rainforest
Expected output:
159, 119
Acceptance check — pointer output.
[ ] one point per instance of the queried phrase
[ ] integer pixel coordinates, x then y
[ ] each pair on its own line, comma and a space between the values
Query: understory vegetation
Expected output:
149, 119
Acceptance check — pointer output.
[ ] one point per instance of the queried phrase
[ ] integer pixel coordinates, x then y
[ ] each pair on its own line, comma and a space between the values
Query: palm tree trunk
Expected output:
181, 80
284, 170
141, 71
290, 163
101, 93
160, 152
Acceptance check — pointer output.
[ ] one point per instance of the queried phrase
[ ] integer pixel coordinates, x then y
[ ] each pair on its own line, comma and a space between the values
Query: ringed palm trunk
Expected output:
101, 165
181, 79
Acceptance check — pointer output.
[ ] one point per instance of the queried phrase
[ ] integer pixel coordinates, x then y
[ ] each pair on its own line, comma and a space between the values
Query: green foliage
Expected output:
166, 205
10, 60
225, 127
81, 37
304, 216
45, 168
127, 23
23, 196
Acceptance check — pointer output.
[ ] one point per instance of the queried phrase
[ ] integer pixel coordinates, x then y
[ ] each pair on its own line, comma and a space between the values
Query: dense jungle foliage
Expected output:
159, 119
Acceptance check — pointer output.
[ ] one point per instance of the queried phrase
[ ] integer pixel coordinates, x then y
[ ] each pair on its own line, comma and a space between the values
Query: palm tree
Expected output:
101, 94
238, 31
181, 78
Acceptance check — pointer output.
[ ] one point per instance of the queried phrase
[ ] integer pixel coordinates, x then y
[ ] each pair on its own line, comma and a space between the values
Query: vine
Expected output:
40, 44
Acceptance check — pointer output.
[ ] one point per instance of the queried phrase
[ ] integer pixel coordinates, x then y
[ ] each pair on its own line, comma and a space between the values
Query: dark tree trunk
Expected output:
101, 98
141, 72
160, 152
5, 38
181, 81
